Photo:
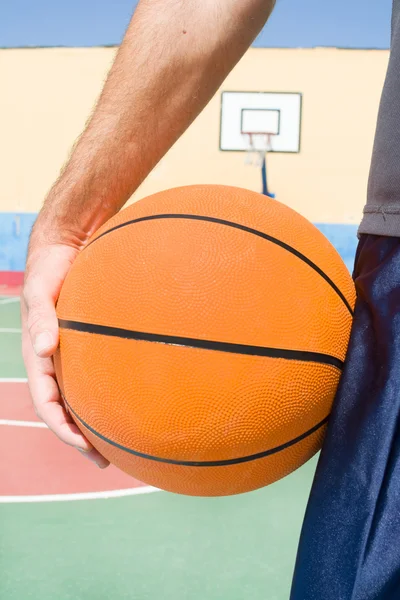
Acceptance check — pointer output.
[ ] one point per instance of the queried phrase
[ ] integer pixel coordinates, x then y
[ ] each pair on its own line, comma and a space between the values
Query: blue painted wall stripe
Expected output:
15, 229
344, 238
14, 235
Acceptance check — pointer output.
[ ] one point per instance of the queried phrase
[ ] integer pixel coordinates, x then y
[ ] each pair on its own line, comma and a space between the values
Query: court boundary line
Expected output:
17, 423
9, 300
104, 495
10, 329
138, 491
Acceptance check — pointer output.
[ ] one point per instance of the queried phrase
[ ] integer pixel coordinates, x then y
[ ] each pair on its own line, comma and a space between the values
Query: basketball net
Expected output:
257, 146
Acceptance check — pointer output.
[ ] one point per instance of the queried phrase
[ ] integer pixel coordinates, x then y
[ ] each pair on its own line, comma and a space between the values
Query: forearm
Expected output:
174, 56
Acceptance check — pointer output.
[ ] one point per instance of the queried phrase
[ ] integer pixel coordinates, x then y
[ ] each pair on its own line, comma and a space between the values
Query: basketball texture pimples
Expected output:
202, 336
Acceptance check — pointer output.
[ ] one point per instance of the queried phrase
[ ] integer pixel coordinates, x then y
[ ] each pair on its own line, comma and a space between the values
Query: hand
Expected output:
47, 267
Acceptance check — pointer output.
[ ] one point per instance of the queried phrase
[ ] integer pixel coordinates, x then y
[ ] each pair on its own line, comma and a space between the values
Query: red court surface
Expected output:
37, 462
10, 290
11, 283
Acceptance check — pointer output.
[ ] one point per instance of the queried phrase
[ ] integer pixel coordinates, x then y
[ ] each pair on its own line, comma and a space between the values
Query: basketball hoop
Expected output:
257, 146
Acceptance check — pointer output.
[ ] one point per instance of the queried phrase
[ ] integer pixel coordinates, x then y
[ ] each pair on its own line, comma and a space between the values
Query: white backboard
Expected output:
260, 112
260, 120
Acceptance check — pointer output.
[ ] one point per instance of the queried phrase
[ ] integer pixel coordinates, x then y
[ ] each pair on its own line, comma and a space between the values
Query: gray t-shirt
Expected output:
382, 212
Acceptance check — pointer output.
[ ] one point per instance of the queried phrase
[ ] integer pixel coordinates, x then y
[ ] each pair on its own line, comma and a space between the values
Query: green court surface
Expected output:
154, 546
10, 339
149, 546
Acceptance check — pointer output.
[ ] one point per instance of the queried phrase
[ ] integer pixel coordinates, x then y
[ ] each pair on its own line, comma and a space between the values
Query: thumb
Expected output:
46, 270
39, 317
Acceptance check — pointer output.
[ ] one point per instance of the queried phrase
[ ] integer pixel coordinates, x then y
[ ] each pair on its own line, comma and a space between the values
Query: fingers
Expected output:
96, 457
48, 404
46, 271
40, 319
49, 408
45, 275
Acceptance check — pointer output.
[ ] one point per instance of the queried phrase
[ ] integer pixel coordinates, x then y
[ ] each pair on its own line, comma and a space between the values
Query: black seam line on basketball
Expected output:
194, 463
302, 355
260, 234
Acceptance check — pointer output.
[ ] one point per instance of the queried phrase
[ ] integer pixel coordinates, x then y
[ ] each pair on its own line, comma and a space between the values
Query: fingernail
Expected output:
43, 341
86, 454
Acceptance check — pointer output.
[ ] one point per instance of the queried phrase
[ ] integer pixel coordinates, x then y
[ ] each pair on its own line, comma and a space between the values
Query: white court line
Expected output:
10, 300
80, 496
64, 497
10, 330
16, 423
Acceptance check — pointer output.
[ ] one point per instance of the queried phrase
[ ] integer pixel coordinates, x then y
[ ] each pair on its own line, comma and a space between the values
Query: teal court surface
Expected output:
69, 531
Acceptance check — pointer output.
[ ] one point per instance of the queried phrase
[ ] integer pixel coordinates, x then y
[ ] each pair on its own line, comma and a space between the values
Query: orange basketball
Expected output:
203, 333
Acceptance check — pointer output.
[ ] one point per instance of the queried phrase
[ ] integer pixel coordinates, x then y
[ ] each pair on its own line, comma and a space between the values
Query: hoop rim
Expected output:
269, 133
267, 137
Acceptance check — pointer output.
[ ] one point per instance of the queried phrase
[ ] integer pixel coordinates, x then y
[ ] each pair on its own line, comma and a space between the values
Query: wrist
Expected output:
70, 217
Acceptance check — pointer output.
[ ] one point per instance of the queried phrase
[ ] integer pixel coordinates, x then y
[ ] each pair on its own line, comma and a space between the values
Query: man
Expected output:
174, 56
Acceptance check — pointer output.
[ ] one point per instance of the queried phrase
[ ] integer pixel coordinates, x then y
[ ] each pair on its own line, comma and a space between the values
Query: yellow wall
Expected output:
47, 94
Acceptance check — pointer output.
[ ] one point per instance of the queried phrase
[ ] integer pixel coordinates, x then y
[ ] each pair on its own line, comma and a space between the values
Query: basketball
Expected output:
203, 332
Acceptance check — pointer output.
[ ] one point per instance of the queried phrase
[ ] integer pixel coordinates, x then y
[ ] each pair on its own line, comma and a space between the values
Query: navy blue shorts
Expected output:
350, 542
